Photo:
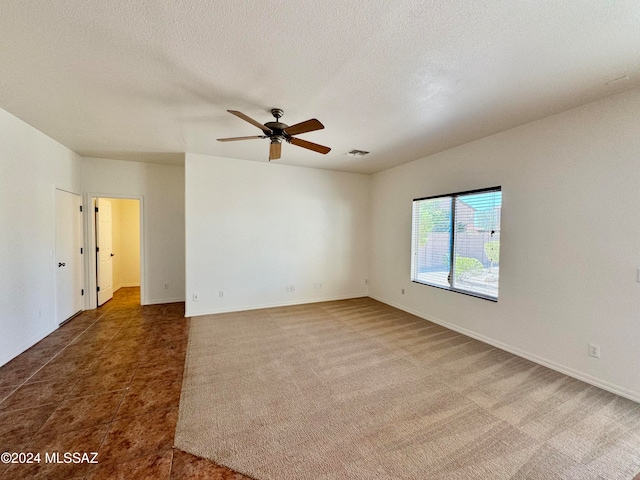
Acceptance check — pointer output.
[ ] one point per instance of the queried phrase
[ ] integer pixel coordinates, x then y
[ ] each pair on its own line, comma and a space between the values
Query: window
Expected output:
456, 242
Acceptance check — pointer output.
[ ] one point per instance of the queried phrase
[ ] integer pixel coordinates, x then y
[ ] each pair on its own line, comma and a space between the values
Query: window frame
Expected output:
453, 197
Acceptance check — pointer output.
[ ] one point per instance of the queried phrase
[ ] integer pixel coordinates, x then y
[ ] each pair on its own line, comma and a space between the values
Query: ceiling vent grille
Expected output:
357, 153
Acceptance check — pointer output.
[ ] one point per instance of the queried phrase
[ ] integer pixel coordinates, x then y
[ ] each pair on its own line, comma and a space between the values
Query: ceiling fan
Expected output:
278, 131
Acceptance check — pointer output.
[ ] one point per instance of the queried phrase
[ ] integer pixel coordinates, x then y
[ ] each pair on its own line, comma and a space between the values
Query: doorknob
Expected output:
60, 264
113, 254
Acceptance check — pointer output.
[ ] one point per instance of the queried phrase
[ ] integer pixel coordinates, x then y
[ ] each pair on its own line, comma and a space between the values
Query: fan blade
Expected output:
233, 139
274, 151
310, 145
250, 120
304, 127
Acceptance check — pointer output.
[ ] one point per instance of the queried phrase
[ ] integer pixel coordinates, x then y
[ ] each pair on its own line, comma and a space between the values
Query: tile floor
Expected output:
108, 381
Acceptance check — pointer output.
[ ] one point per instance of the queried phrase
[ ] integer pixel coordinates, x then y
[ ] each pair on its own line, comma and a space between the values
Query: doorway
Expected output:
116, 233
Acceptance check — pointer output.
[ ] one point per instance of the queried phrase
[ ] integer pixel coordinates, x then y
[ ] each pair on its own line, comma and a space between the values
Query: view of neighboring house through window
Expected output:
456, 242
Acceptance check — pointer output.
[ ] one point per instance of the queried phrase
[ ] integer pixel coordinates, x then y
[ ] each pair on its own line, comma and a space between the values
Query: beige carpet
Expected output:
356, 389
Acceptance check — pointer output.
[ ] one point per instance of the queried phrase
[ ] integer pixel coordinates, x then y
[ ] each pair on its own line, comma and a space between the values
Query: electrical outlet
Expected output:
293, 288
166, 286
366, 281
196, 297
287, 288
221, 293
594, 350
403, 291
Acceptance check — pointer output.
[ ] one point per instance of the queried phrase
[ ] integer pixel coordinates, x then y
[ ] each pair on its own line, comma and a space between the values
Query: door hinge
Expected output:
98, 289
80, 208
81, 250
97, 249
82, 292
96, 209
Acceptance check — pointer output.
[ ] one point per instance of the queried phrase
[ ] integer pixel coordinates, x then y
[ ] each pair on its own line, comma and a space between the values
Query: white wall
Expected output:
252, 228
162, 190
126, 242
31, 166
570, 245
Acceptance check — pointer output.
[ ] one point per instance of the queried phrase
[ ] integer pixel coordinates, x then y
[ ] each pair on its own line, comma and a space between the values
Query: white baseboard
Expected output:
125, 285
8, 356
192, 313
160, 301
596, 382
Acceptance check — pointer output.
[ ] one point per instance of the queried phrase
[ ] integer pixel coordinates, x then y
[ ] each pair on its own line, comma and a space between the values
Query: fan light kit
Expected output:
277, 132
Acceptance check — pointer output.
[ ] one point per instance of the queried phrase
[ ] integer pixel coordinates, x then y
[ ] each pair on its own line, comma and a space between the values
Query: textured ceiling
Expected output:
402, 79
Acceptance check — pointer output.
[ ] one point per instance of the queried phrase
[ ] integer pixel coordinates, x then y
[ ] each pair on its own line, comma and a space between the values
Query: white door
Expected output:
68, 258
105, 250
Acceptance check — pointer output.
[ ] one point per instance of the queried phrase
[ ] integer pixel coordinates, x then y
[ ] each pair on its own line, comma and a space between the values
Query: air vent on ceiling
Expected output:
357, 153
617, 81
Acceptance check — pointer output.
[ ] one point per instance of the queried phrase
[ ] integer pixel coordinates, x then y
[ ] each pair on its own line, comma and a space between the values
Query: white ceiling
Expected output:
147, 79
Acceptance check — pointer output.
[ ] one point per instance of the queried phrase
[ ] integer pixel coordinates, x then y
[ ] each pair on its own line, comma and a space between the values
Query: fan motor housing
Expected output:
278, 130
